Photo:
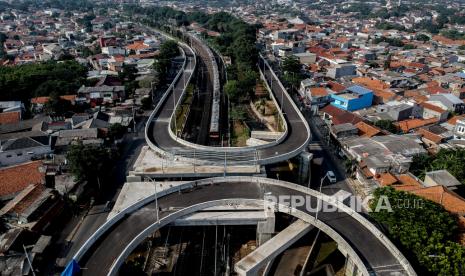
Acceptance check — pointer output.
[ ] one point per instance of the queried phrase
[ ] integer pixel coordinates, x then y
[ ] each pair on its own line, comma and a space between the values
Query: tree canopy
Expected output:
40, 79
57, 105
423, 229
386, 125
292, 70
452, 160
168, 50
90, 163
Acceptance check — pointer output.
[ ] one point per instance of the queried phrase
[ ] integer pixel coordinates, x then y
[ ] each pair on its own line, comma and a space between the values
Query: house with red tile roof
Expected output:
339, 116
10, 117
38, 103
16, 178
367, 130
431, 110
411, 124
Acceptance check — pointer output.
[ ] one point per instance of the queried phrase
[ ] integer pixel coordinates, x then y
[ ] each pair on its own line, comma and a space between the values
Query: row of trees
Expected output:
40, 79
395, 42
236, 40
422, 229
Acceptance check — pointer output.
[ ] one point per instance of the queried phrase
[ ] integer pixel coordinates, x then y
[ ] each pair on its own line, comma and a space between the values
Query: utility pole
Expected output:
318, 201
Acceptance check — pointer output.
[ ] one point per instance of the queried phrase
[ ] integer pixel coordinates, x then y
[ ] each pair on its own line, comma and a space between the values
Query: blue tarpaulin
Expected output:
71, 269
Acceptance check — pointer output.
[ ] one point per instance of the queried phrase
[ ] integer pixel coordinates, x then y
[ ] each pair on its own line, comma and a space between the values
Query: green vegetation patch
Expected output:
422, 230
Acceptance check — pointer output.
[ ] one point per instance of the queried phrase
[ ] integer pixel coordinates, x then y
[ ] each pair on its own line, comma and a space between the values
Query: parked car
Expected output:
332, 177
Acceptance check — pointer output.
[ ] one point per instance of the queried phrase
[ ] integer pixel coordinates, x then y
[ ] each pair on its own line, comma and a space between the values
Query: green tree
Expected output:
386, 125
90, 163
107, 25
169, 49
452, 160
409, 47
146, 103
238, 113
57, 106
231, 88
422, 37
291, 64
246, 81
116, 131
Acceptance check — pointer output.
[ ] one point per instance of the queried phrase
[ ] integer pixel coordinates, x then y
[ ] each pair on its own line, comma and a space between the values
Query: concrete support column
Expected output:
266, 229
351, 269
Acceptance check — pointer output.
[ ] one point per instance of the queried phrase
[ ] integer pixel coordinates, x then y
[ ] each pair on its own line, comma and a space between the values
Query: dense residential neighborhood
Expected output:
380, 86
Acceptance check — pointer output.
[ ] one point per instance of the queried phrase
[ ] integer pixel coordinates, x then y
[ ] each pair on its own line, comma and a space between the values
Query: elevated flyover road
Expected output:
161, 139
367, 250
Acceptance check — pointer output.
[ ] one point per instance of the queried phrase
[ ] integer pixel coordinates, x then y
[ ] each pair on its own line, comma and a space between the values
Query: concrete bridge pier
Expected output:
266, 229
251, 264
351, 268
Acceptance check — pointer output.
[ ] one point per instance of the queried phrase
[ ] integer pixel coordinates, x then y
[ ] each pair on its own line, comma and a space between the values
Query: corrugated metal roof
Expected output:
359, 90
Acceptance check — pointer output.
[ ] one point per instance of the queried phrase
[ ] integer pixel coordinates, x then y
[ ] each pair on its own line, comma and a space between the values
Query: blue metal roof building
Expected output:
353, 98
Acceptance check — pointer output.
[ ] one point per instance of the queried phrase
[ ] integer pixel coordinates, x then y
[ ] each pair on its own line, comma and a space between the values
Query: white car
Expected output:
332, 177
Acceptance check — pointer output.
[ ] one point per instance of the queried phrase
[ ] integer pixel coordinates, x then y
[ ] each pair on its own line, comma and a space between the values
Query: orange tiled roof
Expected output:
10, 117
15, 178
448, 41
453, 120
137, 45
406, 179
26, 202
371, 83
386, 179
40, 100
318, 91
412, 93
337, 87
367, 130
436, 89
432, 107
384, 94
340, 116
44, 100
430, 136
439, 194
410, 124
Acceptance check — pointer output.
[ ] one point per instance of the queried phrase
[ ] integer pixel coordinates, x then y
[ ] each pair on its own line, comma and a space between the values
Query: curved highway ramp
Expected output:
161, 138
366, 248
